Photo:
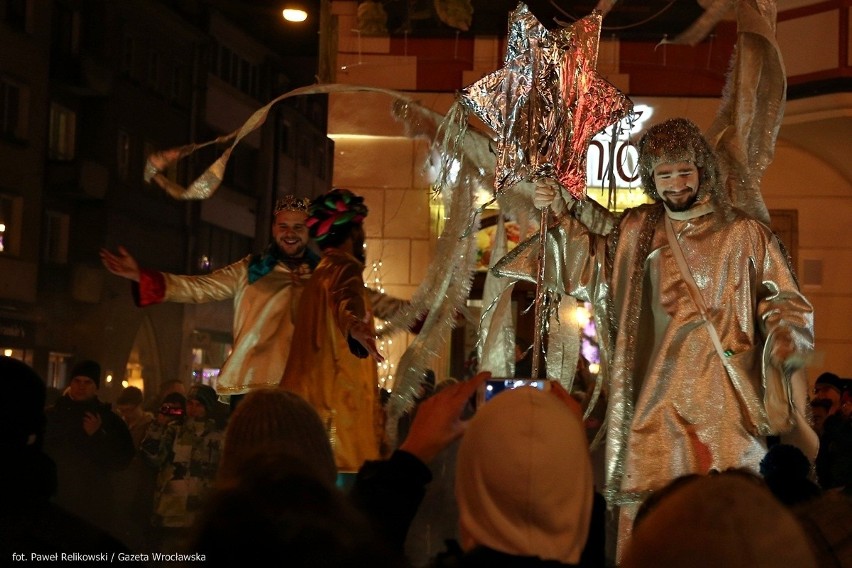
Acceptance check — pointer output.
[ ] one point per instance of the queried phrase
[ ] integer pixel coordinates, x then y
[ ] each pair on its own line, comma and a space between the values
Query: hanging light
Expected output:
295, 12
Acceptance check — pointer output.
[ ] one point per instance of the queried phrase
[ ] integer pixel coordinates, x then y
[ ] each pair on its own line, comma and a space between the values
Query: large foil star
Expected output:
547, 101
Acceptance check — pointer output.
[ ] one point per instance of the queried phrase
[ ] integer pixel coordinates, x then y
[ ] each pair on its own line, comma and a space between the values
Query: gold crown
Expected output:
292, 203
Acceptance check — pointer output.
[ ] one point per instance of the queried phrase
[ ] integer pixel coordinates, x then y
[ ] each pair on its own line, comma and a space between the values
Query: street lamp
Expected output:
294, 12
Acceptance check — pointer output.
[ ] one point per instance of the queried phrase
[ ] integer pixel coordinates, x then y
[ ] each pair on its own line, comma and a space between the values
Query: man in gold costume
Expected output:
265, 289
334, 354
703, 328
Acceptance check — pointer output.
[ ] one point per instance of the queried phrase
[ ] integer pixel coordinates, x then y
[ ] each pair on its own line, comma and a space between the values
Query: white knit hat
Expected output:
524, 477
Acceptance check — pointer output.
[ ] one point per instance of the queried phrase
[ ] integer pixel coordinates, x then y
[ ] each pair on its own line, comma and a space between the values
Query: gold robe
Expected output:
321, 369
263, 316
673, 409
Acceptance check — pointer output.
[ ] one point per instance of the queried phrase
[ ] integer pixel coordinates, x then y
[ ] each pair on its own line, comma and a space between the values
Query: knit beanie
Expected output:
831, 380
90, 369
524, 477
276, 420
203, 394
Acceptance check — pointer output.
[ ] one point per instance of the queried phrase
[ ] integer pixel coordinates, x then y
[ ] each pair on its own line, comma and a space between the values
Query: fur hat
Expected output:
677, 140
90, 369
276, 420
203, 394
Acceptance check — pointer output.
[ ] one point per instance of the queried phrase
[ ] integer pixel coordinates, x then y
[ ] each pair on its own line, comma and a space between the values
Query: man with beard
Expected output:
265, 289
330, 364
702, 322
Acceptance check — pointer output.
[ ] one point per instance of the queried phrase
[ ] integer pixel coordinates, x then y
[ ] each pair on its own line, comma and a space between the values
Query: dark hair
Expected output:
130, 395
280, 504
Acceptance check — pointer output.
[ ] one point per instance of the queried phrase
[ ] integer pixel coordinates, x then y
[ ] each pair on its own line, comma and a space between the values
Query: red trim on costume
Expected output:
151, 288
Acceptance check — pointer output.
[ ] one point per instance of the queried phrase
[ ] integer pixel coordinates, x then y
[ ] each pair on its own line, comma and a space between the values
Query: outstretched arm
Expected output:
121, 263
362, 332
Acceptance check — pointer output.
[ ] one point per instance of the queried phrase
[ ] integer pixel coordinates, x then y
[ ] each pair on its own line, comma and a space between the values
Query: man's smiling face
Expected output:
290, 233
677, 184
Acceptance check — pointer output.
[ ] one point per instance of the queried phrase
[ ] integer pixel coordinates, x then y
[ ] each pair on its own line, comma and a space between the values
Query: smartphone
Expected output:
494, 386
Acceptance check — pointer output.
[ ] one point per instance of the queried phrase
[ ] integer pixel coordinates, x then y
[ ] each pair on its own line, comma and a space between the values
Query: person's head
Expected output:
173, 407
84, 381
200, 401
22, 415
336, 221
169, 386
524, 478
276, 420
677, 165
289, 230
281, 504
828, 386
785, 468
846, 401
726, 519
129, 402
819, 409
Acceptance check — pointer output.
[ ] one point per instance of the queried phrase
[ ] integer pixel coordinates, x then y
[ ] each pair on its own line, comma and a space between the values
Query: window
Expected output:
225, 64
13, 109
123, 155
305, 148
56, 237
320, 164
284, 139
177, 87
218, 247
63, 125
17, 15
128, 55
154, 70
236, 71
65, 30
57, 369
11, 210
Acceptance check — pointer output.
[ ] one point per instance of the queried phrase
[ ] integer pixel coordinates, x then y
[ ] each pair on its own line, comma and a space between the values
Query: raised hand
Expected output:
438, 422
548, 193
121, 264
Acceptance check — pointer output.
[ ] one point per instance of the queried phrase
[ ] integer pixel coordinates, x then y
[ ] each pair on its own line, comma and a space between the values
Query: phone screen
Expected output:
495, 386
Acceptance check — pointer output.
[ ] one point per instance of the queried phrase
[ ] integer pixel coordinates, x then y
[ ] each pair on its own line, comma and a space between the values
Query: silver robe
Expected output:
673, 409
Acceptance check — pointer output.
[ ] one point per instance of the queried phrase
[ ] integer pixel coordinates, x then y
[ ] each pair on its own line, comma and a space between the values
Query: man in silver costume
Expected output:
679, 404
